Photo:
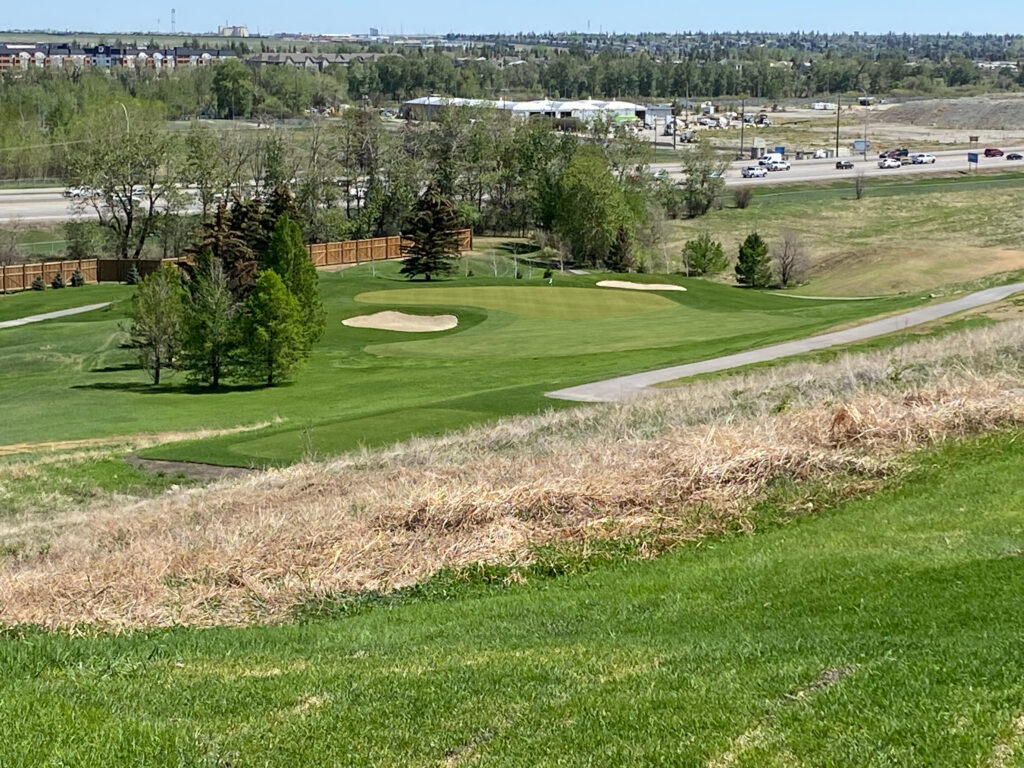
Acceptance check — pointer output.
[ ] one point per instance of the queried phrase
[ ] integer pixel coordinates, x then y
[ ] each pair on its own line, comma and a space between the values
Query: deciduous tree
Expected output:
157, 320
273, 340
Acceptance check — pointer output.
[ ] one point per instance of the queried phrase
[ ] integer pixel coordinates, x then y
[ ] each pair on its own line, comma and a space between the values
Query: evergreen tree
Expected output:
754, 268
211, 326
273, 338
704, 255
157, 319
288, 256
434, 236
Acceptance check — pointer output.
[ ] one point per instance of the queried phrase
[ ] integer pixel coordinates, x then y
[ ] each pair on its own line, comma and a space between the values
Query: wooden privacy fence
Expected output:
374, 249
19, 277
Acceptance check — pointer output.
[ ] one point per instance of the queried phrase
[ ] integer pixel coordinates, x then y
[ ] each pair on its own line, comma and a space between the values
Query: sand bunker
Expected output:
640, 286
400, 321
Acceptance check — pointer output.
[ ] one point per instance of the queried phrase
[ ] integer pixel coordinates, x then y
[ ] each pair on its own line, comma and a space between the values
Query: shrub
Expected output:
38, 284
704, 256
742, 196
547, 274
77, 279
58, 280
133, 278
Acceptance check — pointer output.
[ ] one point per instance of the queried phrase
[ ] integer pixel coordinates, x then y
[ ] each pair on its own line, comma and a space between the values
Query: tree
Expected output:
130, 168
288, 256
205, 166
232, 85
157, 315
273, 338
791, 260
211, 326
705, 180
754, 267
433, 235
704, 255
591, 209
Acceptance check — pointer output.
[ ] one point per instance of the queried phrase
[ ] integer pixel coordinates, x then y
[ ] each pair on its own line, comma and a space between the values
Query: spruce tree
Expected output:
434, 237
271, 330
288, 256
754, 267
211, 326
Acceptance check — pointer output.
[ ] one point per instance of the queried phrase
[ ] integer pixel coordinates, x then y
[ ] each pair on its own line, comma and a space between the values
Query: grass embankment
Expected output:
681, 466
903, 236
886, 632
73, 379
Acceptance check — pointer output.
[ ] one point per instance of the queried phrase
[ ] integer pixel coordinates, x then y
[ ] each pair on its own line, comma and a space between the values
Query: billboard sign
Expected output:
972, 157
861, 145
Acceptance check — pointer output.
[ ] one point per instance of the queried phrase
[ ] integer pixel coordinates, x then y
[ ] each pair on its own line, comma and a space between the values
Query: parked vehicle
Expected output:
754, 172
1015, 156
889, 162
922, 158
820, 154
844, 165
993, 152
778, 165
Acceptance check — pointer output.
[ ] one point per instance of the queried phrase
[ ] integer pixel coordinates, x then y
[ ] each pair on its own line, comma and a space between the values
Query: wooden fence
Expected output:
19, 277
374, 249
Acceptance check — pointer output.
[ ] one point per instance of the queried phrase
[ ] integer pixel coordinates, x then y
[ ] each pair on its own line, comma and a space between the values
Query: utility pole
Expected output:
839, 106
743, 122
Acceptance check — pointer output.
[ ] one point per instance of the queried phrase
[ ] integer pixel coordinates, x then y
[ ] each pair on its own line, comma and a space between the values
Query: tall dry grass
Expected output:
688, 461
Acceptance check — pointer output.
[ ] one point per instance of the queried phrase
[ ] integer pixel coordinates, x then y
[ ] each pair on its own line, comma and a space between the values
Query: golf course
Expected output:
74, 379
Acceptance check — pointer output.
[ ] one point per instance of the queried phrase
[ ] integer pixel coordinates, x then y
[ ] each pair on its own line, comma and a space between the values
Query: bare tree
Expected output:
859, 185
10, 248
791, 260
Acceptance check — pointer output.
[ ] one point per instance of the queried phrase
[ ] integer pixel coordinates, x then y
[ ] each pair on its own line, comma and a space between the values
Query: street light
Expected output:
127, 122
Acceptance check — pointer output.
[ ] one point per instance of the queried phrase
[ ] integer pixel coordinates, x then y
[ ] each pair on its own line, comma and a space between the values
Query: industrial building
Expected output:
585, 110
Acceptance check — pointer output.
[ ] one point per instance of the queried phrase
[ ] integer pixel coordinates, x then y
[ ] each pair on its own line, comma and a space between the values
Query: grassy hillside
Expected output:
68, 380
883, 633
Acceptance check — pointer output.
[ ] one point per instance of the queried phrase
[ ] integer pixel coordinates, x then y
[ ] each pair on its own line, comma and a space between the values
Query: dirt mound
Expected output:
979, 112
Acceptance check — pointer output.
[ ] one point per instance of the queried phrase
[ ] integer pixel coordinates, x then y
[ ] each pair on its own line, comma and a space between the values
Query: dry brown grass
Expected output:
687, 462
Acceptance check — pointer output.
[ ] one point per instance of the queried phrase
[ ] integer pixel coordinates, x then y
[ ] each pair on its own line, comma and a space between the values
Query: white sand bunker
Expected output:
640, 286
390, 320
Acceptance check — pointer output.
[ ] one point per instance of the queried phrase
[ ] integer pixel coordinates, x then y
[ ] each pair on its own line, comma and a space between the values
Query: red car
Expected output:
993, 152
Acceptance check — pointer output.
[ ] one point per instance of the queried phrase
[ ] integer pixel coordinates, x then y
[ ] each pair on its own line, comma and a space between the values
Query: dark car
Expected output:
1015, 156
843, 165
993, 152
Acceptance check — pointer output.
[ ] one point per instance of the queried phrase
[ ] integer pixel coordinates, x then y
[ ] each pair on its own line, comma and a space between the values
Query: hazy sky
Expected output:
440, 16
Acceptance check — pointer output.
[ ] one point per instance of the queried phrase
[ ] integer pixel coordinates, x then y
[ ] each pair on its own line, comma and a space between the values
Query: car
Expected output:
778, 165
922, 158
889, 162
993, 152
895, 153
754, 172
1015, 156
844, 165
79, 193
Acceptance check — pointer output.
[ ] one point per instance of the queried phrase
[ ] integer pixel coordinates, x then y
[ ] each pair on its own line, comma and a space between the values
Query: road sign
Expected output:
861, 145
972, 157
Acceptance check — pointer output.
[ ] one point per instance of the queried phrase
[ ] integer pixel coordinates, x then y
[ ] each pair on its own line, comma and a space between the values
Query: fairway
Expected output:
547, 302
74, 378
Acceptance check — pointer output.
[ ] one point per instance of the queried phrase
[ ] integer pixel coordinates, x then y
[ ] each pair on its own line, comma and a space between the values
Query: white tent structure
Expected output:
585, 110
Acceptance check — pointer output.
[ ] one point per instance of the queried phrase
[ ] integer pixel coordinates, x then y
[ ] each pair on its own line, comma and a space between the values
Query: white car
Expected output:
79, 193
889, 162
778, 165
921, 158
754, 172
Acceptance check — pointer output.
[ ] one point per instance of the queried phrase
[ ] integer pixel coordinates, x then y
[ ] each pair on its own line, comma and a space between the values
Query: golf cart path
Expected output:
52, 315
626, 387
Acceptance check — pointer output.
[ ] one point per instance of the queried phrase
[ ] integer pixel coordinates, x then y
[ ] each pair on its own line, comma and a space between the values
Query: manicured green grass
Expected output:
25, 303
883, 633
516, 340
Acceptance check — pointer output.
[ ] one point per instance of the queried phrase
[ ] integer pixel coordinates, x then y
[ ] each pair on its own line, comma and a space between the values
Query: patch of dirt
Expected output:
190, 469
390, 320
962, 114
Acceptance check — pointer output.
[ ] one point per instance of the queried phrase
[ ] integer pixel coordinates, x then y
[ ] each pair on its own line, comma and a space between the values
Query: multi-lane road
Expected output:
47, 204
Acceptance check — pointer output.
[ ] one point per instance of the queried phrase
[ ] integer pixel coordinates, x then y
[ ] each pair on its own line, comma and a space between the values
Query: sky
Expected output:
442, 16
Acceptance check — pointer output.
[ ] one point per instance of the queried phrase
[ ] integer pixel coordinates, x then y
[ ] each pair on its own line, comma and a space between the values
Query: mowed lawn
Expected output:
73, 379
886, 632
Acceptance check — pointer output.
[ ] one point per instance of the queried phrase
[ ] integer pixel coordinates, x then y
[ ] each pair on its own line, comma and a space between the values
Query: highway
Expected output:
46, 204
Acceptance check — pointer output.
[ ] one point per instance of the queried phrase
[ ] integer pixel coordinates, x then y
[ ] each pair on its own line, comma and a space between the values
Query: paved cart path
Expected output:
52, 315
626, 387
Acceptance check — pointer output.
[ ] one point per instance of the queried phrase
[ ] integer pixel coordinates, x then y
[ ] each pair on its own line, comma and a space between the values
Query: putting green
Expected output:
546, 302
